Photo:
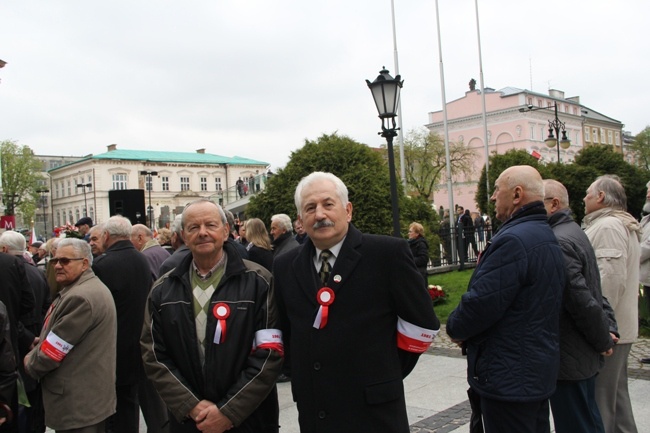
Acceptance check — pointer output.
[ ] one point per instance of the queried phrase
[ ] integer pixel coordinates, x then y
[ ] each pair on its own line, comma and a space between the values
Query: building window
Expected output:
217, 183
148, 180
58, 218
69, 189
77, 216
602, 136
119, 181
70, 220
594, 133
204, 183
56, 188
185, 183
165, 183
530, 101
90, 182
91, 214
610, 137
587, 133
532, 132
617, 138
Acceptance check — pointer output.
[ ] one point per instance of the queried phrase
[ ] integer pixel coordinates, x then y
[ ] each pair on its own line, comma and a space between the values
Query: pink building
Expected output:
511, 128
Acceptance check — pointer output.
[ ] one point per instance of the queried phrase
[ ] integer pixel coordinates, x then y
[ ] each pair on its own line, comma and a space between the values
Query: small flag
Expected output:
32, 238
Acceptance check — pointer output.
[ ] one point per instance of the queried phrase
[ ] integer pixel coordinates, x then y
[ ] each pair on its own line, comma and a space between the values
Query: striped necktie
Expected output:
324, 272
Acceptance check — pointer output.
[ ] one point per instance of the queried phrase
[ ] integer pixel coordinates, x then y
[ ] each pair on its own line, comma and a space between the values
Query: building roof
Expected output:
167, 157
186, 157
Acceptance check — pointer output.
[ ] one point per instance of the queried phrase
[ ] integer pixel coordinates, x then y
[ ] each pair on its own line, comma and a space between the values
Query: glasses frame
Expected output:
64, 261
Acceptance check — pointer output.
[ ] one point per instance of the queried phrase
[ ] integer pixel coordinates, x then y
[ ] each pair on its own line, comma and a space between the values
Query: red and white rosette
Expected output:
325, 297
221, 311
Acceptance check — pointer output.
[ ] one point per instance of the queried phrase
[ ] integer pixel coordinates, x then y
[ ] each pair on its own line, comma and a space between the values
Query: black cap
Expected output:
84, 221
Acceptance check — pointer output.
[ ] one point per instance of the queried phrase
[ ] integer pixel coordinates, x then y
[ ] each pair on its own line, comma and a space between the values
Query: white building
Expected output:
84, 187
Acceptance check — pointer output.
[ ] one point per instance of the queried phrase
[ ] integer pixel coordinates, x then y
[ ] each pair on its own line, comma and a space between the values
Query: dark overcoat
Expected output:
347, 376
125, 271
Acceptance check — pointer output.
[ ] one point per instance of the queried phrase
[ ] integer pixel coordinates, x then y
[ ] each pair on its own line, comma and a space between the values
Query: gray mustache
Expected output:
321, 224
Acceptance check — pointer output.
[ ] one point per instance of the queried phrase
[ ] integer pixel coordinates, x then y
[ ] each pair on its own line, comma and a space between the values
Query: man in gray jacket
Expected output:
615, 235
586, 320
644, 267
75, 356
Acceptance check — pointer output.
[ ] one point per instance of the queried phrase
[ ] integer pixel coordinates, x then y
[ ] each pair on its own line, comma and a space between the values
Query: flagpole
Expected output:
450, 191
485, 127
399, 106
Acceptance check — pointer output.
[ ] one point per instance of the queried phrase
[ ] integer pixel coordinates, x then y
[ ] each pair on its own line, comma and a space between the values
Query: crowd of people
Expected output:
195, 327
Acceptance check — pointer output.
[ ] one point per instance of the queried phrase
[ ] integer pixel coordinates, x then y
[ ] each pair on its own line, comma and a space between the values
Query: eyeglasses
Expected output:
64, 261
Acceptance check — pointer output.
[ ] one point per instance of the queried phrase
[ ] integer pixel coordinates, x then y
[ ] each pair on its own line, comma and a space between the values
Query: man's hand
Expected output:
610, 351
34, 343
209, 419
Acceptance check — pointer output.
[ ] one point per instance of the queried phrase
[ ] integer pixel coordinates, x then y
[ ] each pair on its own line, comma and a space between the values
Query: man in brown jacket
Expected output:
75, 356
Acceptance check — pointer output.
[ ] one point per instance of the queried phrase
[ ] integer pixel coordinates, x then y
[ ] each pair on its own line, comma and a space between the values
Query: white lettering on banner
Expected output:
269, 339
413, 338
55, 347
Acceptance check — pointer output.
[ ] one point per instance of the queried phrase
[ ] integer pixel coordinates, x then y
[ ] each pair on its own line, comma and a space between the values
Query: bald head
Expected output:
140, 235
516, 187
554, 191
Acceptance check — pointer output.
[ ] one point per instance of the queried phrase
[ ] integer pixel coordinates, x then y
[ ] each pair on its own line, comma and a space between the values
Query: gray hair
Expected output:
118, 226
554, 189
611, 186
284, 220
97, 228
176, 225
80, 247
14, 241
142, 229
341, 189
224, 221
230, 218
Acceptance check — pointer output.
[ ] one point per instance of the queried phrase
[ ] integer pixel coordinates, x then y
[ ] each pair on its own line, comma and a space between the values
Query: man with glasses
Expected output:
586, 321
79, 384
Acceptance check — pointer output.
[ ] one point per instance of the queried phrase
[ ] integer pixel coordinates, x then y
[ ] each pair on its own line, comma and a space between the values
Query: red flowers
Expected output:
436, 293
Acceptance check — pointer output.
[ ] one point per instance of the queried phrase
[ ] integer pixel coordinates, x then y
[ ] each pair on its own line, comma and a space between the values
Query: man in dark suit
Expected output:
125, 271
355, 315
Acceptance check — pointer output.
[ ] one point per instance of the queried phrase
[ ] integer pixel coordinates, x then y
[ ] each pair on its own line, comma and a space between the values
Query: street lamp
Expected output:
553, 125
385, 91
84, 186
149, 187
42, 192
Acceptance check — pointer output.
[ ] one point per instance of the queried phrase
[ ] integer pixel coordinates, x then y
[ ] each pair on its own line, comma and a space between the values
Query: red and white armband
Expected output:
269, 339
413, 338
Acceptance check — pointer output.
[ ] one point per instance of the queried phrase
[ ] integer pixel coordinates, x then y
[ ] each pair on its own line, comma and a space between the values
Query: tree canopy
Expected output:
21, 178
361, 168
590, 162
641, 148
425, 161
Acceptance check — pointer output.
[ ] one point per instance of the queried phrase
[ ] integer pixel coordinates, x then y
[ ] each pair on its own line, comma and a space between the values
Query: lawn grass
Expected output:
454, 284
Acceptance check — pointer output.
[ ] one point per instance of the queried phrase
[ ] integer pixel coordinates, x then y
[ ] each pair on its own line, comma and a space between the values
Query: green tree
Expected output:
641, 148
21, 175
425, 161
604, 160
363, 171
498, 163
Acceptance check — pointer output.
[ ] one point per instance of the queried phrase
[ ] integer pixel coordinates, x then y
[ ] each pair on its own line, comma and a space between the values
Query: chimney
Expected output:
200, 150
112, 147
557, 94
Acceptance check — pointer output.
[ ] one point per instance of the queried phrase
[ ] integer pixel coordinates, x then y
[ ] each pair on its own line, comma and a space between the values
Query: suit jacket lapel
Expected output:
305, 273
347, 260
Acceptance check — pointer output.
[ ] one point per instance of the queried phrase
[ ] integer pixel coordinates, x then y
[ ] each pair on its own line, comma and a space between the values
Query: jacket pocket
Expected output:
384, 392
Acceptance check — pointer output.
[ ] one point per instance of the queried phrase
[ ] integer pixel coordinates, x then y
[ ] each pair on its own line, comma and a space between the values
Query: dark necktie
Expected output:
325, 266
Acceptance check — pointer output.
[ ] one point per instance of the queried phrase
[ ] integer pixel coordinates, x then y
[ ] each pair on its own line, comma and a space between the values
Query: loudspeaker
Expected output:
129, 203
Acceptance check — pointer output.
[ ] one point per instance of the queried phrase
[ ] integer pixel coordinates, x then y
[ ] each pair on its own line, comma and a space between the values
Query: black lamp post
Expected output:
553, 125
149, 186
84, 186
42, 192
385, 91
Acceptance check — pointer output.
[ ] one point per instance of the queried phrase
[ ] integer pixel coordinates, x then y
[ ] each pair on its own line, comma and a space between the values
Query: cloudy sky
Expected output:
255, 78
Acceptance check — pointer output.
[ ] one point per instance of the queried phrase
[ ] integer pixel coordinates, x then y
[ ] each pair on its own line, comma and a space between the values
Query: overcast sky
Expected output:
255, 78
